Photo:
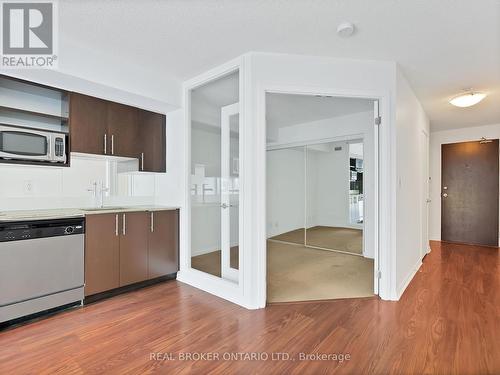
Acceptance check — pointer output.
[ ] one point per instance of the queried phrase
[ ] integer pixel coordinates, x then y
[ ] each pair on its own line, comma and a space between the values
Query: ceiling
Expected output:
442, 46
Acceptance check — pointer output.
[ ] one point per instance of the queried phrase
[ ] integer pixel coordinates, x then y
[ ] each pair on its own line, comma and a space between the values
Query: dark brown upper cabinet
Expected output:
88, 124
153, 153
124, 130
102, 127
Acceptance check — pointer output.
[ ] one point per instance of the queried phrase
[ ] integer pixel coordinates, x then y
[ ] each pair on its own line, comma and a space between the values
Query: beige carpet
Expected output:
297, 273
335, 238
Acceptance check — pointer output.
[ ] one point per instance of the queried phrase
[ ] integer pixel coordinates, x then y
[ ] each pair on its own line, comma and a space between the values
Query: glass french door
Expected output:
214, 180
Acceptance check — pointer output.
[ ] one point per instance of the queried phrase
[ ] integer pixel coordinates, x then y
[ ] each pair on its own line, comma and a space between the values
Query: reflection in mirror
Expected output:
285, 195
334, 174
214, 177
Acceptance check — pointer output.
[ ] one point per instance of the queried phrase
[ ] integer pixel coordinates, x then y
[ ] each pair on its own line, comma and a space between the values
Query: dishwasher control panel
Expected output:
26, 230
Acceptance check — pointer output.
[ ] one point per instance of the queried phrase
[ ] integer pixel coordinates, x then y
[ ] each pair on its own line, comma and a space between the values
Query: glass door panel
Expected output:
214, 224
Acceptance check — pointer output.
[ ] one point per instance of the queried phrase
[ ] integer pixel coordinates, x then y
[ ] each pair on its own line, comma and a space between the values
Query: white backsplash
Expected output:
40, 187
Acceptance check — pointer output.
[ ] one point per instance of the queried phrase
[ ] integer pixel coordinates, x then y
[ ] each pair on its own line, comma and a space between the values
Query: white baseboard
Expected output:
406, 281
216, 286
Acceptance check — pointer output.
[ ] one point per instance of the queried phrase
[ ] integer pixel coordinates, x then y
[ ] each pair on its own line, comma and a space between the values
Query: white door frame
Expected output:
384, 174
226, 113
425, 194
371, 195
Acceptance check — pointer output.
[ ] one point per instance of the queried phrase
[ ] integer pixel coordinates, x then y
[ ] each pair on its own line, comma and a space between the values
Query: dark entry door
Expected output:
469, 193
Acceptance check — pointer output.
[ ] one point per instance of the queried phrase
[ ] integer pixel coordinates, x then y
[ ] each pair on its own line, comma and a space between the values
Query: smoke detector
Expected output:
345, 29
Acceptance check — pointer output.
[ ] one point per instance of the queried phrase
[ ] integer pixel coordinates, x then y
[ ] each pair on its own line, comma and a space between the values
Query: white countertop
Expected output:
74, 212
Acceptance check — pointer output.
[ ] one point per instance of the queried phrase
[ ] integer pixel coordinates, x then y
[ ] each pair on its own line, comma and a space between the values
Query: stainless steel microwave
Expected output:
18, 143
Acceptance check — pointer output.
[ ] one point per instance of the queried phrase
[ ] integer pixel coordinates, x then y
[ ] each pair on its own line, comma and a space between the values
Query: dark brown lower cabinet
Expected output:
134, 247
127, 248
163, 243
102, 253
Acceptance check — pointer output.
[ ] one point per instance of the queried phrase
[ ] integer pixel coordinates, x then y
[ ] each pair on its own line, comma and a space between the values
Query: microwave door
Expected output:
21, 145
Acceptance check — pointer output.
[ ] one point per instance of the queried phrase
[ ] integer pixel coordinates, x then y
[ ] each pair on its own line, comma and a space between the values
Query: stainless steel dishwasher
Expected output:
41, 265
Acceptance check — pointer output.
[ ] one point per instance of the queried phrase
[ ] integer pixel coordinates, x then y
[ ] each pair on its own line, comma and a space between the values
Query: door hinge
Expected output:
378, 120
379, 275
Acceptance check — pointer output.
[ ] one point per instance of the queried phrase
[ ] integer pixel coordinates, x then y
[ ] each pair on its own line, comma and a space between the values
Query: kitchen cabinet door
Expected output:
123, 130
163, 243
88, 123
152, 143
102, 253
134, 247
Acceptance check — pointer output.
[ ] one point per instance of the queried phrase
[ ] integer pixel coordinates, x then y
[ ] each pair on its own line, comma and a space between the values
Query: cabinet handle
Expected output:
105, 144
116, 225
124, 225
112, 144
142, 161
152, 222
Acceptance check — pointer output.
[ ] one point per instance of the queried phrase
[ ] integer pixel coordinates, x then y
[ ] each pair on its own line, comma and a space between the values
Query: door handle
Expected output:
116, 225
152, 222
428, 200
124, 223
224, 206
142, 161
445, 195
105, 143
112, 144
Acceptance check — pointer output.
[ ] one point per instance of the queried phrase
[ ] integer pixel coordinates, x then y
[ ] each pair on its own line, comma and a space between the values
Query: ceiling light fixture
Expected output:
345, 29
468, 99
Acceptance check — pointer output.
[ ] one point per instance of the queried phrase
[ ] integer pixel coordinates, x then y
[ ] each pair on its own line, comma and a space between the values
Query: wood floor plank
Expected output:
447, 322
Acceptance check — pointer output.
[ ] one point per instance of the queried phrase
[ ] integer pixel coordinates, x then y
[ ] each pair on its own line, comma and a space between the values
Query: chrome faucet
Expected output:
98, 194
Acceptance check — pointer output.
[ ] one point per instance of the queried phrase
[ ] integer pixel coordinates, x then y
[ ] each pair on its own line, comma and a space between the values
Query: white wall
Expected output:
327, 76
411, 121
436, 140
170, 185
26, 187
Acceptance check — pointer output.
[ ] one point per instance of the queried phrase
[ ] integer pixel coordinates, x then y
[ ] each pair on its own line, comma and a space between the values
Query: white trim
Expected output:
409, 277
226, 112
376, 194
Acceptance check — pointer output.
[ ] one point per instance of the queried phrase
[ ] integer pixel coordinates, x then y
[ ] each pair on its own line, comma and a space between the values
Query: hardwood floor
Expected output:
447, 322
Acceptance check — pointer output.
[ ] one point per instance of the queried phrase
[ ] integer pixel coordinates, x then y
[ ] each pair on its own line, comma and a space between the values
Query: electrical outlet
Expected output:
29, 187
